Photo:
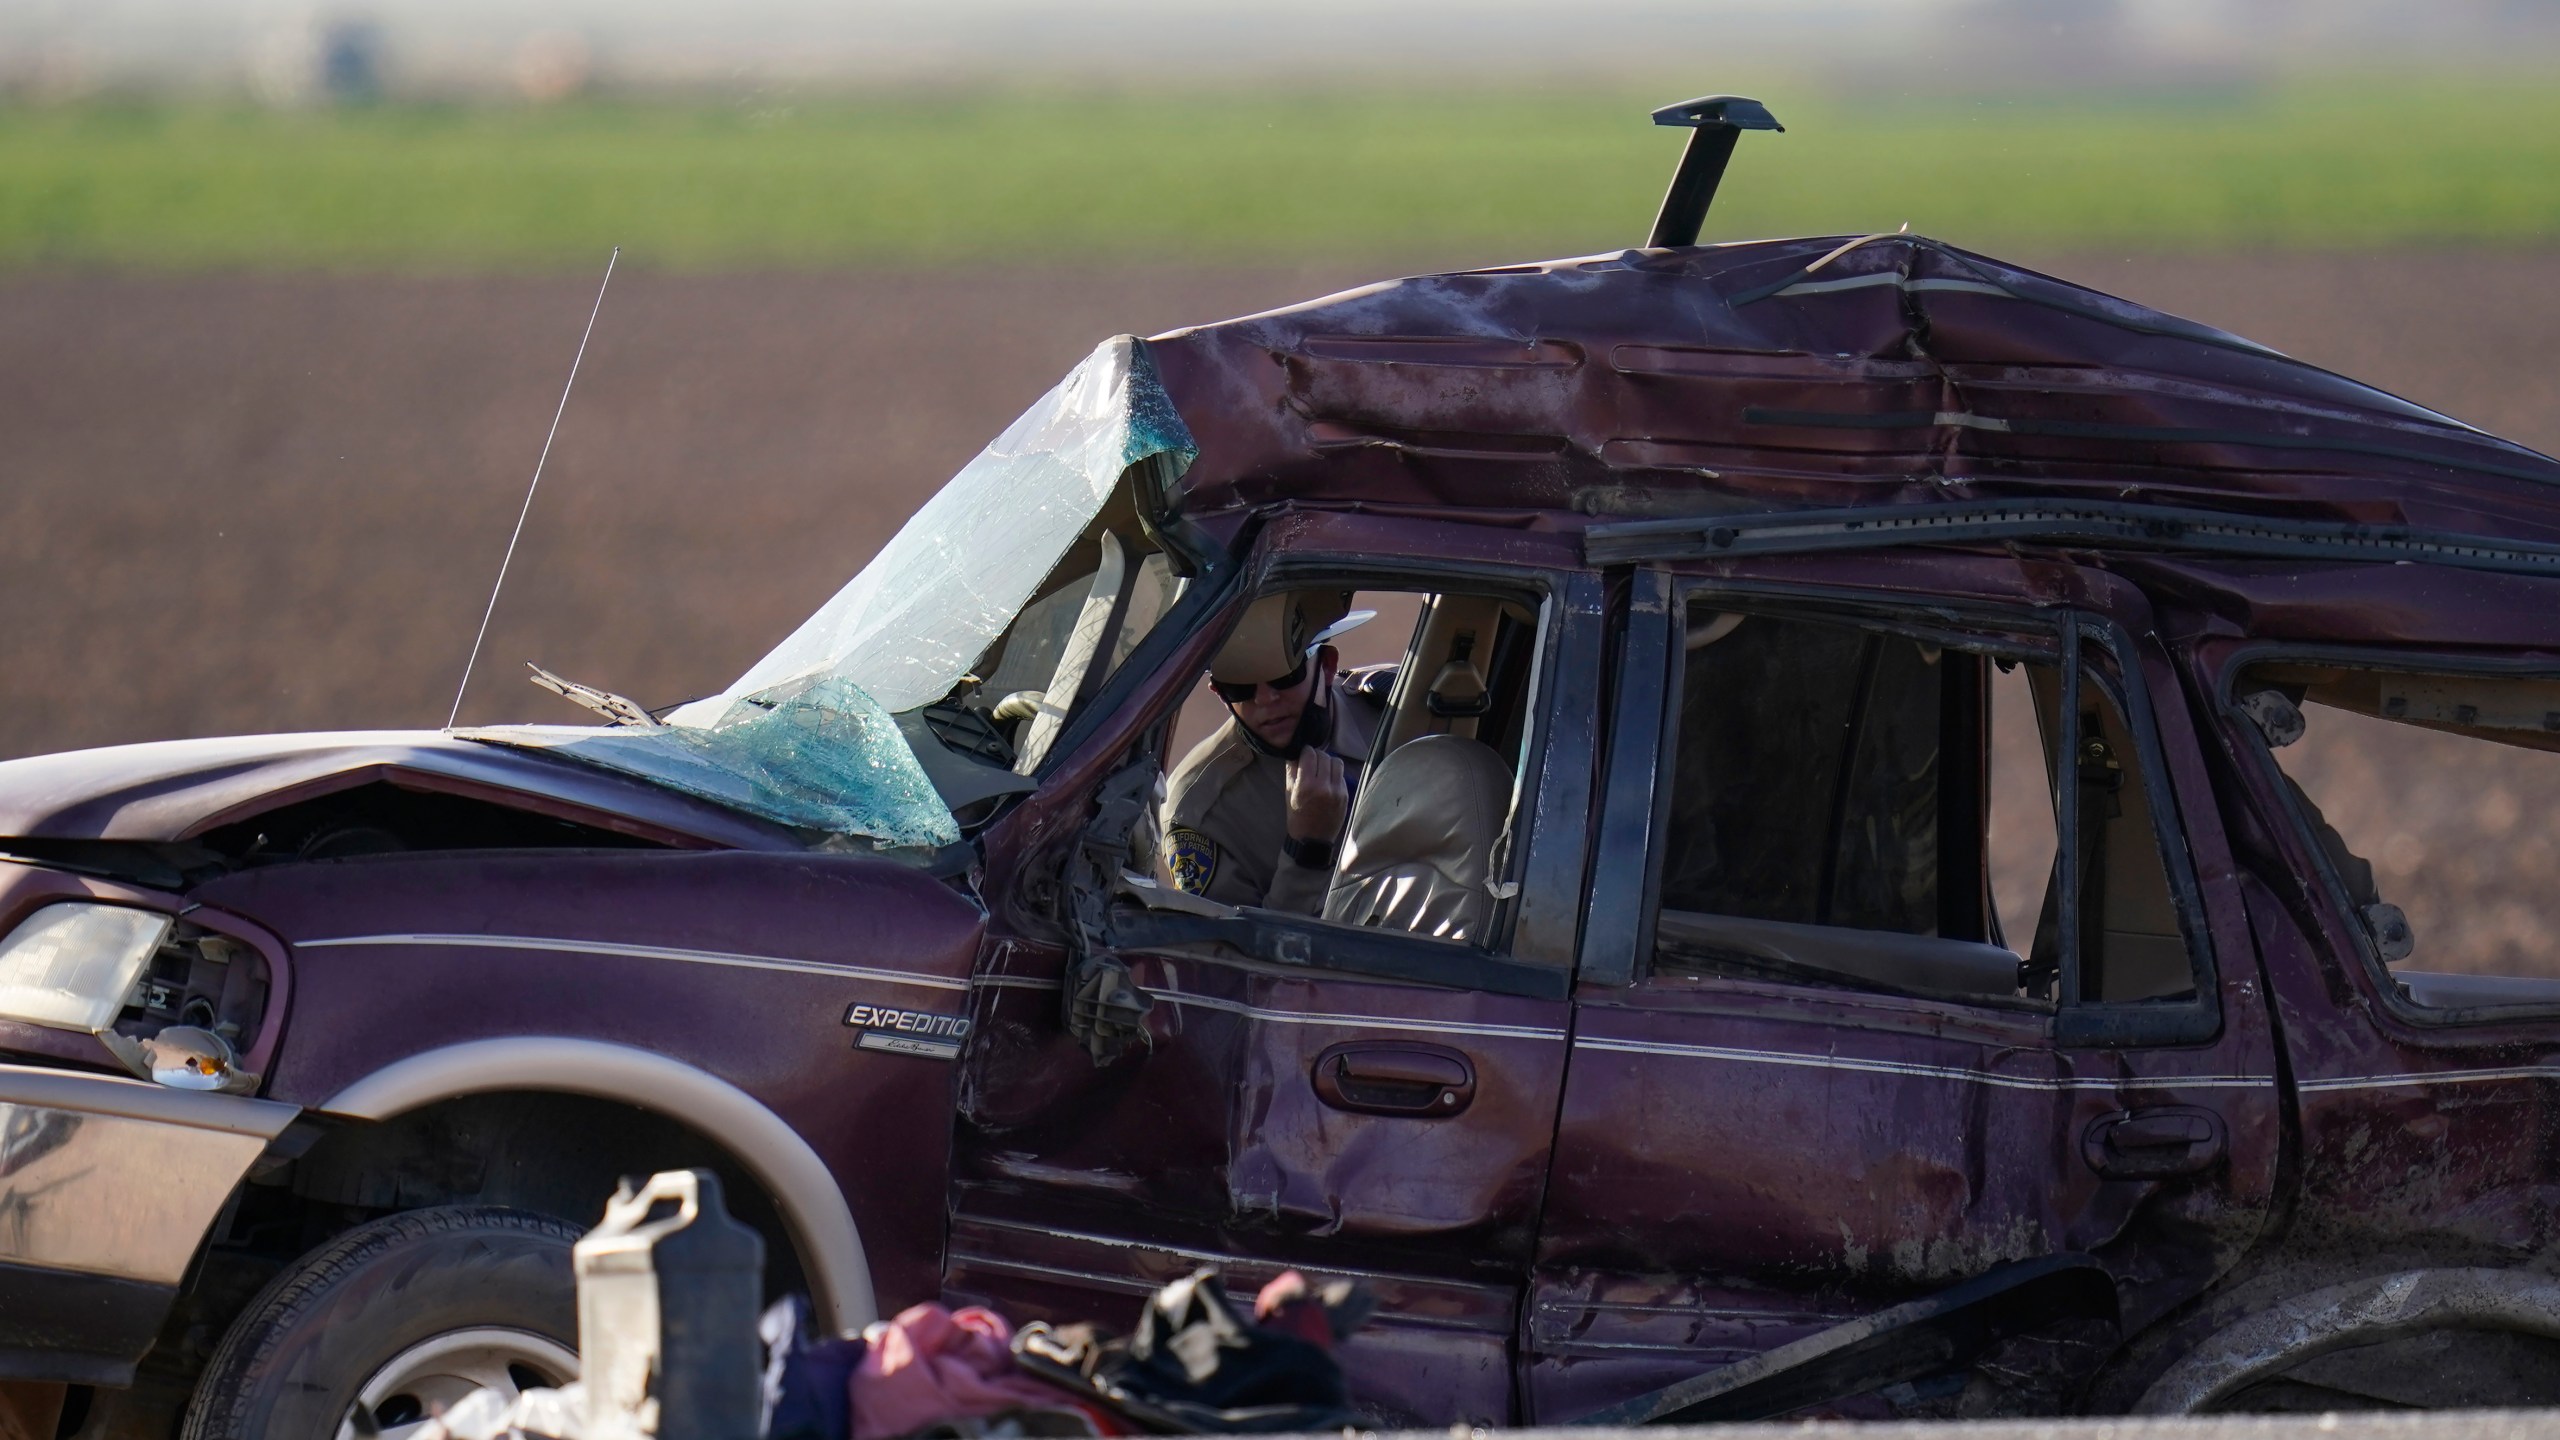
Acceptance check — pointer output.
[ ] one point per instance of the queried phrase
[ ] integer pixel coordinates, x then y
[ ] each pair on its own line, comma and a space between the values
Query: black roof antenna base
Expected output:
1715, 122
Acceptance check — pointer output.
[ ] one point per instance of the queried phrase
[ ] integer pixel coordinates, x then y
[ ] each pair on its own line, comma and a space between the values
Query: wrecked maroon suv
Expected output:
1995, 879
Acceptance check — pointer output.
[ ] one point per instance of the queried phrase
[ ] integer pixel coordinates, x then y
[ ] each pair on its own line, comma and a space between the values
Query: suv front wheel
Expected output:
400, 1318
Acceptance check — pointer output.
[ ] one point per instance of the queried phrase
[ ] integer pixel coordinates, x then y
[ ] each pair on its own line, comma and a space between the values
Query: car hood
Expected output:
178, 789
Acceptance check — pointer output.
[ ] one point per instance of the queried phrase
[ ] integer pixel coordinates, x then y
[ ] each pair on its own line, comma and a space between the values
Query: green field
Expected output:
1448, 173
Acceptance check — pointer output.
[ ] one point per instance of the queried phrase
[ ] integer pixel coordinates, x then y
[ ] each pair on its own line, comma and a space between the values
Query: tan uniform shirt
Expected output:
1226, 812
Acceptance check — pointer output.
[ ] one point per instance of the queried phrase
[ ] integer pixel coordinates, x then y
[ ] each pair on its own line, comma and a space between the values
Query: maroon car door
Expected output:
1349, 1102
1831, 1051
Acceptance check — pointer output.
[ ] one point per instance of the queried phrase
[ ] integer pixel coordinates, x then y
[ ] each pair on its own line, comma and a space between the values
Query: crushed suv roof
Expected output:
1812, 373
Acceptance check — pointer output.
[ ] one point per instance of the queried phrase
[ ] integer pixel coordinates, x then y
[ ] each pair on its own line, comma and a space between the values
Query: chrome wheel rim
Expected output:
430, 1377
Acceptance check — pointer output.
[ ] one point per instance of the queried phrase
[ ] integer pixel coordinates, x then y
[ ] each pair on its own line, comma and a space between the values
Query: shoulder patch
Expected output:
1193, 859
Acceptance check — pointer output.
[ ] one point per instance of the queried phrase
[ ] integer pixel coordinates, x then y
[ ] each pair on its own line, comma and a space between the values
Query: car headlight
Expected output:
71, 965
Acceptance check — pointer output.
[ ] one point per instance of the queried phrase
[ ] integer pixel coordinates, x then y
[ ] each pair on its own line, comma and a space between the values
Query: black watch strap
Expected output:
1313, 854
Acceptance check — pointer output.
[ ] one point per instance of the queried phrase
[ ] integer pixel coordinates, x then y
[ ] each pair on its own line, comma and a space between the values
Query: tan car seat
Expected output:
1419, 856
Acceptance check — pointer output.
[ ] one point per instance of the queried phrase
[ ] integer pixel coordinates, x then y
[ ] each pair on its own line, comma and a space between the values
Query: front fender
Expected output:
769, 972
821, 1224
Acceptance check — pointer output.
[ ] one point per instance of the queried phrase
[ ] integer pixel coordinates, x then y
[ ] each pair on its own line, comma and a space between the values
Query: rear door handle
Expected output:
2153, 1144
1395, 1077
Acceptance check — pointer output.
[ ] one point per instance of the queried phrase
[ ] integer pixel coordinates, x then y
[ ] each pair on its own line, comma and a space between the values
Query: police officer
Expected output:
1253, 815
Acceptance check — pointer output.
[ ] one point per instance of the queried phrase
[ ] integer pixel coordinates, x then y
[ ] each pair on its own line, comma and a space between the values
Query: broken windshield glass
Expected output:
806, 736
928, 605
819, 755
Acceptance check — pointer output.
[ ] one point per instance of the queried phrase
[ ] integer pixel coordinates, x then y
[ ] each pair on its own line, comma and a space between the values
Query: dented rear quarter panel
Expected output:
1741, 1163
2419, 1140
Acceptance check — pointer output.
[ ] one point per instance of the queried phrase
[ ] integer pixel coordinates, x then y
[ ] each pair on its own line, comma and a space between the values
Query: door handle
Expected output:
2153, 1144
1395, 1077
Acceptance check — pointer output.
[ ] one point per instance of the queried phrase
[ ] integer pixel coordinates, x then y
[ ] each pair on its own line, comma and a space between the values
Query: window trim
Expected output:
1548, 749
1617, 938
2141, 1022
1618, 952
2333, 886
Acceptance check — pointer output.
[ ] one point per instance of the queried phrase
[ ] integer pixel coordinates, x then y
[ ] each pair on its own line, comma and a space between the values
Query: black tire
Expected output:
294, 1362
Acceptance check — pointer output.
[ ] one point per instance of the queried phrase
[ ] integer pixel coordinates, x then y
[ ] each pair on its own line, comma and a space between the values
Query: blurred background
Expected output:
287, 291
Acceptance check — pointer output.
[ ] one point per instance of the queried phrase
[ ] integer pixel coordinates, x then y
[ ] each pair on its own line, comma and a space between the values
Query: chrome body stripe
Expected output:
1359, 1022
643, 952
2436, 1077
1930, 1072
1187, 1000
1130, 1283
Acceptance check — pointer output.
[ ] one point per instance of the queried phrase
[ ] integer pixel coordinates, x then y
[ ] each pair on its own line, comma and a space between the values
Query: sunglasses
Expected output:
1235, 693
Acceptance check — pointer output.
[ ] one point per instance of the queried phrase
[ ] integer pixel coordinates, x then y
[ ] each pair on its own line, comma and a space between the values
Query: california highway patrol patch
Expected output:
1193, 859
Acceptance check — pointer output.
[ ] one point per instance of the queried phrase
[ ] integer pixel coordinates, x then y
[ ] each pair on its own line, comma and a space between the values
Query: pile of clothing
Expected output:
1193, 1365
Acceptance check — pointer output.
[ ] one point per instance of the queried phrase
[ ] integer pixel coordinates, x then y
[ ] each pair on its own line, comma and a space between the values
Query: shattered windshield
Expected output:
806, 736
933, 599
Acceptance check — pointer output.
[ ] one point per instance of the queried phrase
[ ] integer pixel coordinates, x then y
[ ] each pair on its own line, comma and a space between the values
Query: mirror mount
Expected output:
1714, 122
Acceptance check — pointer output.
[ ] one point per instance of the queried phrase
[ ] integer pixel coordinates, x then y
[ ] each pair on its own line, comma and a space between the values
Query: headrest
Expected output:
1275, 633
1419, 856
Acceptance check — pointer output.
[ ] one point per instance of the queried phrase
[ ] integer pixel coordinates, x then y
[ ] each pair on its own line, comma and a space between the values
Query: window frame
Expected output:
2333, 886
1553, 750
1618, 949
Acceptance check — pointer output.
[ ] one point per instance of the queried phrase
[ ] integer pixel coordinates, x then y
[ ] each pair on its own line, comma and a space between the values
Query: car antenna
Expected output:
464, 688
1715, 122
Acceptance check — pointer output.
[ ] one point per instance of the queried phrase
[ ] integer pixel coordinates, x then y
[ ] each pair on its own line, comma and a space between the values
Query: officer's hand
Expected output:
1319, 796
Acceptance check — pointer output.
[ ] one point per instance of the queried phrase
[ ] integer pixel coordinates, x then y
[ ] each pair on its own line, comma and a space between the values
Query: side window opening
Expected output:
1435, 722
1856, 805
2420, 791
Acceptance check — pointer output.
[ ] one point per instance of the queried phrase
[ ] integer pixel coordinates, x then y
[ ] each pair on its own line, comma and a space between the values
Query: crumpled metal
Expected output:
819, 755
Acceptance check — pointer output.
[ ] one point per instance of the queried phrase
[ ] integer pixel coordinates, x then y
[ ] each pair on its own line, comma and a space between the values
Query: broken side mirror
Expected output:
1103, 1007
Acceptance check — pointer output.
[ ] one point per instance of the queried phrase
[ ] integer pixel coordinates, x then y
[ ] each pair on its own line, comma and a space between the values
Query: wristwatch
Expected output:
1313, 854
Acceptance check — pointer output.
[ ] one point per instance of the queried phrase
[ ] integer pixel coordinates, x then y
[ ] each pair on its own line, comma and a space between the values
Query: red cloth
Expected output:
1290, 1305
934, 1364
